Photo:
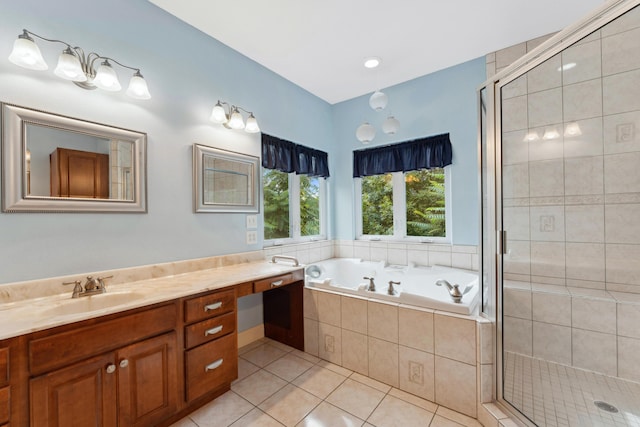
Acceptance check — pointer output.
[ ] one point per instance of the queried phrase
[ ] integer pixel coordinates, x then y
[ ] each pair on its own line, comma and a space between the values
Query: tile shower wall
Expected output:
571, 202
444, 358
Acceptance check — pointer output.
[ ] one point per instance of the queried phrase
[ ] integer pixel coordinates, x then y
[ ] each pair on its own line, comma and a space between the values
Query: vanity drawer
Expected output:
61, 349
210, 329
277, 281
211, 366
4, 366
209, 305
4, 405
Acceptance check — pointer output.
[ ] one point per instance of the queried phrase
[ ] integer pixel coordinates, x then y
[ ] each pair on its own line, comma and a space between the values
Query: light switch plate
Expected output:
252, 237
252, 221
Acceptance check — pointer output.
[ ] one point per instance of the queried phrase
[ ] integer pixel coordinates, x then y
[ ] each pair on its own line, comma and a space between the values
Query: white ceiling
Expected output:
320, 45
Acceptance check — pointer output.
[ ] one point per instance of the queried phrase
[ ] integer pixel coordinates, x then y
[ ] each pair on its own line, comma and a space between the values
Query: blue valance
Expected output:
288, 157
423, 153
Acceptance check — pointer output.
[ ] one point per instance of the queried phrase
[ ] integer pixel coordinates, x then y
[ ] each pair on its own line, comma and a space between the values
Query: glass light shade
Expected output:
138, 87
550, 133
236, 121
69, 67
531, 136
218, 115
26, 54
378, 101
106, 78
391, 125
365, 133
252, 125
572, 129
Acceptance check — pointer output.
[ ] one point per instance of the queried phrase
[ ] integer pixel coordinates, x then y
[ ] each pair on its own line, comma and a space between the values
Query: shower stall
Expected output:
560, 178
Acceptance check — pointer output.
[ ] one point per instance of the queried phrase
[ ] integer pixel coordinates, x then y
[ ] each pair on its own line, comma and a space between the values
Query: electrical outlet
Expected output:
416, 373
252, 237
252, 221
329, 344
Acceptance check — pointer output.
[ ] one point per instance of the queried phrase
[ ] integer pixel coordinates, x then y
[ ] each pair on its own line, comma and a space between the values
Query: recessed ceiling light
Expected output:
372, 62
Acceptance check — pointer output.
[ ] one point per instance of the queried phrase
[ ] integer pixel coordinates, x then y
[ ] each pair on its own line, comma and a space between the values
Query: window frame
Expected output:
399, 212
294, 211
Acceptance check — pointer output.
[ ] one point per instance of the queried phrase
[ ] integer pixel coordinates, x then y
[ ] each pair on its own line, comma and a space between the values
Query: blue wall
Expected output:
437, 103
187, 72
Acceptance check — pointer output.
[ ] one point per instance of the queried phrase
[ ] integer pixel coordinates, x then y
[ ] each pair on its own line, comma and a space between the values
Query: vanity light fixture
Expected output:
231, 117
531, 136
78, 67
550, 133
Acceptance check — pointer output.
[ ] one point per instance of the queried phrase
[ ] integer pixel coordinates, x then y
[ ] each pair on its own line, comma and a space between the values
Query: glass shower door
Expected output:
570, 207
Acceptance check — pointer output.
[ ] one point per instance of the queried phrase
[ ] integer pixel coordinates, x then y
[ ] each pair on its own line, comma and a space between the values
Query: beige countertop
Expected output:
35, 314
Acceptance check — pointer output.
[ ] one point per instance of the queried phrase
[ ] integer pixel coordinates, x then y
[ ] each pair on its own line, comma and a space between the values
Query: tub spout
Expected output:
454, 291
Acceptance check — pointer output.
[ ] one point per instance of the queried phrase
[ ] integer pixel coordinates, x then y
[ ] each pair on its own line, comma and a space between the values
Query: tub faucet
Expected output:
372, 286
454, 290
392, 291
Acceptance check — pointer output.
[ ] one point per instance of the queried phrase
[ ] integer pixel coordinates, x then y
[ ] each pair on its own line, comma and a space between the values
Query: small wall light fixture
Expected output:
231, 117
75, 65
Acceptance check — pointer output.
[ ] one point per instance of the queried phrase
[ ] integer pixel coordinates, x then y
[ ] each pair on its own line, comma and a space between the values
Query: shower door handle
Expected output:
502, 242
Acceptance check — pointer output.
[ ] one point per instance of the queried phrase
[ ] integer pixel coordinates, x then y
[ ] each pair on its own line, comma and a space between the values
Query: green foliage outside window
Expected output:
425, 203
276, 204
309, 206
377, 205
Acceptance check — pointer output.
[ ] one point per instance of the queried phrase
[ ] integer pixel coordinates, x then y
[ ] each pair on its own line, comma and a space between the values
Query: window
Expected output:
410, 205
402, 191
293, 206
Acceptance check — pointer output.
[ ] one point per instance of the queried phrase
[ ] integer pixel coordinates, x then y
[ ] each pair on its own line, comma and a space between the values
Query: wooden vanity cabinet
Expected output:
211, 344
5, 388
135, 383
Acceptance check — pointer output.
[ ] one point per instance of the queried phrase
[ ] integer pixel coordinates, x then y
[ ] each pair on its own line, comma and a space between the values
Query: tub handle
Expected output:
392, 291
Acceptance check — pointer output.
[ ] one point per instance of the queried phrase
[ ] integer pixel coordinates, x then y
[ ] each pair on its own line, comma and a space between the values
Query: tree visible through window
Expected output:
425, 203
275, 190
292, 205
399, 205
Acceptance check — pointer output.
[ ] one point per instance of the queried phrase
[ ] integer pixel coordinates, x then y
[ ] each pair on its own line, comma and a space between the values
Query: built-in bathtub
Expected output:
417, 283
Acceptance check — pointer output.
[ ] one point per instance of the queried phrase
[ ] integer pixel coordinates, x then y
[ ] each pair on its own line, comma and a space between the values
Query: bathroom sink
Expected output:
91, 303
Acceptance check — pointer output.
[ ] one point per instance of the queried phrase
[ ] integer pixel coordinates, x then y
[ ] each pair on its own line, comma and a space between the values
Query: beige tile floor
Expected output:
280, 386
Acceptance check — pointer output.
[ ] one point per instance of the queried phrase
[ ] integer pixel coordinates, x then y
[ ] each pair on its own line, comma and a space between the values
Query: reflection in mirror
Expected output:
56, 163
70, 164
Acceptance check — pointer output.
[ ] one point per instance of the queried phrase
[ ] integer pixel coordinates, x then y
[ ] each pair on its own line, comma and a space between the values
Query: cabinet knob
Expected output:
111, 368
124, 363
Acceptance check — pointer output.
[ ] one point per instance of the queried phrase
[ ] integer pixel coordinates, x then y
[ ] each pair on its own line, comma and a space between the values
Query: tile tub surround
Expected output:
297, 389
438, 356
590, 329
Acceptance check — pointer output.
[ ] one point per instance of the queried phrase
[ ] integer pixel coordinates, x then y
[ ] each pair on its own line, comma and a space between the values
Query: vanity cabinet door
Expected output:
83, 394
147, 381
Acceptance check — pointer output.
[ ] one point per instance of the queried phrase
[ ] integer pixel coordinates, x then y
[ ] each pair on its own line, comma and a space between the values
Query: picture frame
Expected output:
225, 181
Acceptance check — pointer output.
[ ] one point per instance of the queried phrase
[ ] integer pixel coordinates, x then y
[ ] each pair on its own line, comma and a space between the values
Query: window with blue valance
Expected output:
424, 153
288, 157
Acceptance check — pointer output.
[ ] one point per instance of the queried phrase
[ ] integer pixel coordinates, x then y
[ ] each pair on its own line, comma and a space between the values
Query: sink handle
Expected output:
101, 283
77, 289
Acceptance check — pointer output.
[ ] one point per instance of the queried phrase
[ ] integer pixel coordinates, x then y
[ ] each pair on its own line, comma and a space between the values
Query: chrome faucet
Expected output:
91, 287
372, 286
454, 291
392, 291
294, 260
